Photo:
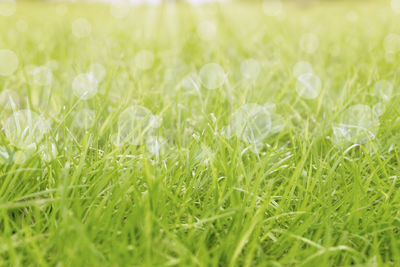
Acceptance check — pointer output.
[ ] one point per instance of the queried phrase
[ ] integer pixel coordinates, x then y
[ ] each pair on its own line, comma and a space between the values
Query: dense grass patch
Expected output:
148, 158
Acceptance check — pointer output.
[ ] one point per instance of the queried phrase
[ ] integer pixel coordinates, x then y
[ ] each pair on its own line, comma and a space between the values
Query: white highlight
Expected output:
8, 7
383, 89
272, 8
212, 76
250, 68
308, 86
84, 119
81, 28
25, 128
207, 30
251, 123
135, 124
358, 125
8, 62
144, 59
309, 43
85, 86
302, 67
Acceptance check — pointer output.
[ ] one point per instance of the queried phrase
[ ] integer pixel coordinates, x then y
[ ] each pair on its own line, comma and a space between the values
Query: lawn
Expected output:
230, 134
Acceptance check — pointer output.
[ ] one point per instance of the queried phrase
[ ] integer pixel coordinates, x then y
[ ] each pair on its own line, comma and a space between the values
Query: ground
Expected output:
221, 135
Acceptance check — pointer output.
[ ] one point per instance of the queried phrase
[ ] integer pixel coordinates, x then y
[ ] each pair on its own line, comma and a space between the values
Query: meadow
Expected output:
224, 134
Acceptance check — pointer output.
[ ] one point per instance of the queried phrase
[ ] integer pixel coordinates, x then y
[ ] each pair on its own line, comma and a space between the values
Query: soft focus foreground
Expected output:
215, 135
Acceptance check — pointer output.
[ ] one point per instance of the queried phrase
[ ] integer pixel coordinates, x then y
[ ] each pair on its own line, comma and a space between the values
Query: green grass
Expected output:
206, 200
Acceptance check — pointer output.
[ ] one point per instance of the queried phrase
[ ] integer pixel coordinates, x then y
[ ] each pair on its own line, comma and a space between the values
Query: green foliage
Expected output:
206, 200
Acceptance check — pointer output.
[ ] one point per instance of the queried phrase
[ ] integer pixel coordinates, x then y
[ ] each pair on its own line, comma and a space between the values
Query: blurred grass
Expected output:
207, 201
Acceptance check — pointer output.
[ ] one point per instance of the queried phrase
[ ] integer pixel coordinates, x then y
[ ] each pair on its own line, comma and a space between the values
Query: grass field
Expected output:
214, 135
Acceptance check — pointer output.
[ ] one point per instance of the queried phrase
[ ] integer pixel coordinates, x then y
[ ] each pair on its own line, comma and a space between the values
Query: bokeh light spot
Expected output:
395, 5
61, 9
251, 123
135, 124
42, 75
250, 68
383, 89
207, 30
9, 100
21, 26
119, 10
85, 86
309, 43
302, 67
7, 7
379, 109
25, 128
98, 71
84, 119
191, 82
144, 60
5, 156
48, 151
391, 43
272, 8
308, 86
358, 125
212, 76
156, 146
81, 28
352, 16
8, 62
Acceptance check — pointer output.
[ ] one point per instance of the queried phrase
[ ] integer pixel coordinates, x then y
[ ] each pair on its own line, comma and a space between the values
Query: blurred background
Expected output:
196, 1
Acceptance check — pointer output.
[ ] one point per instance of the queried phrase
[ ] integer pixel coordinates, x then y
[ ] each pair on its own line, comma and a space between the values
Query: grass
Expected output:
300, 199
